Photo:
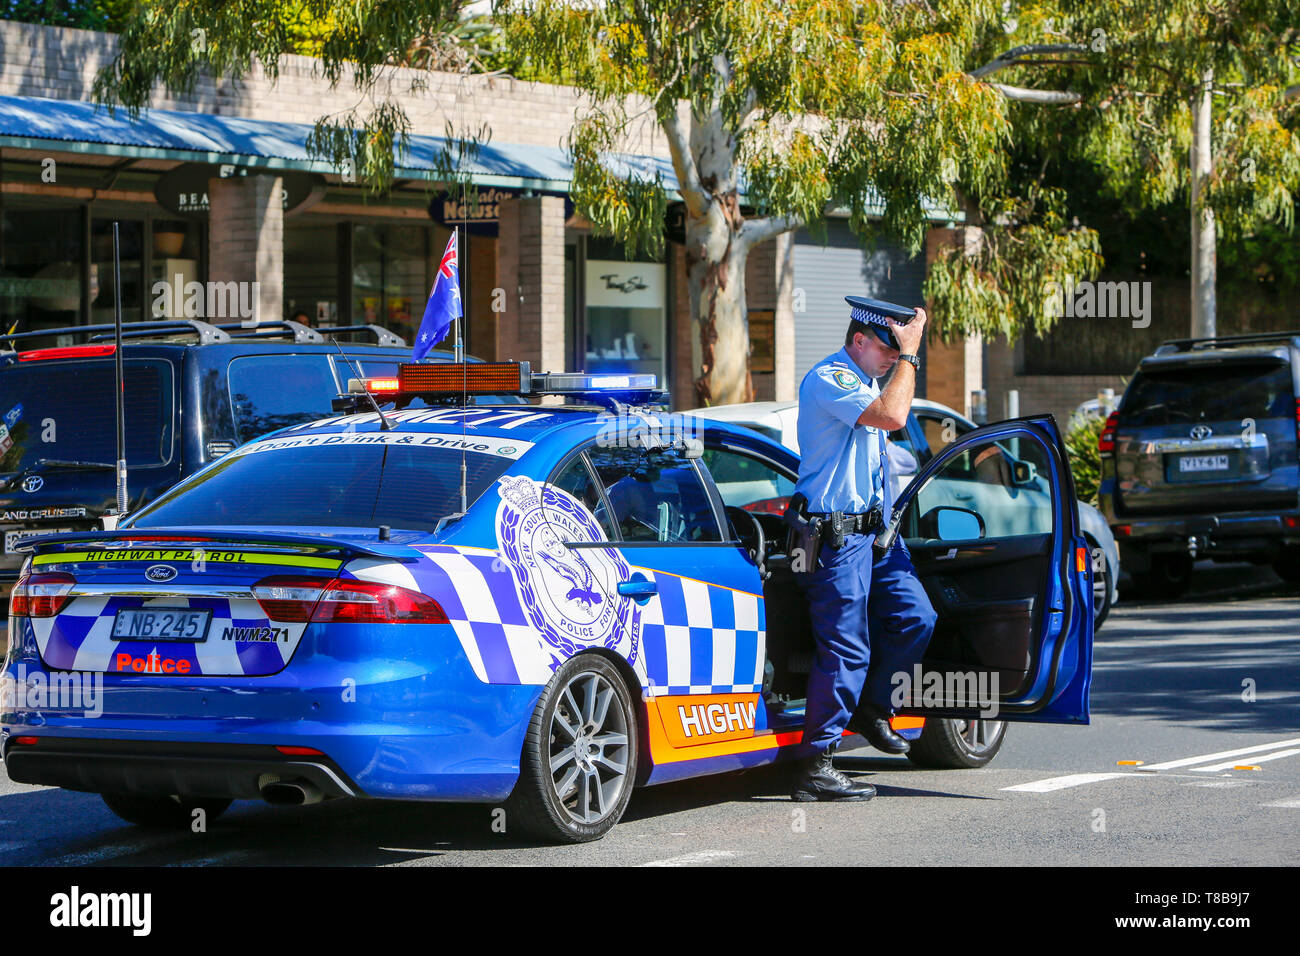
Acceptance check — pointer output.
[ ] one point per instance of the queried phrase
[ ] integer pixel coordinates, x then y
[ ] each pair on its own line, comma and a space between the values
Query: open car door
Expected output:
993, 528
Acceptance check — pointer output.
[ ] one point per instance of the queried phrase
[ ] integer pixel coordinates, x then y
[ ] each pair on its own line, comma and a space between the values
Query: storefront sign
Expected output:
626, 285
477, 209
184, 190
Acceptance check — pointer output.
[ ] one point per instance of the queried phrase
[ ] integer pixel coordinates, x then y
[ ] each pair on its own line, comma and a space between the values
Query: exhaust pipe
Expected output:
291, 793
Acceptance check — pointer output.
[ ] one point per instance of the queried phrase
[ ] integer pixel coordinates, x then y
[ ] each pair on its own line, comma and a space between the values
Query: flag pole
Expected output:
460, 342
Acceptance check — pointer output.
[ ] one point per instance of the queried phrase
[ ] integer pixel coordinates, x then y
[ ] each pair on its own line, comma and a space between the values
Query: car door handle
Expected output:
962, 495
639, 589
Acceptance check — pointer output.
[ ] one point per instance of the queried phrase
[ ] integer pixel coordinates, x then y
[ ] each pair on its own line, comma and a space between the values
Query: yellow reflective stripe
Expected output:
221, 558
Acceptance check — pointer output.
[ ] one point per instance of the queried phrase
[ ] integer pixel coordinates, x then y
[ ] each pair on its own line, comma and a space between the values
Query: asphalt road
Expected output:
1169, 687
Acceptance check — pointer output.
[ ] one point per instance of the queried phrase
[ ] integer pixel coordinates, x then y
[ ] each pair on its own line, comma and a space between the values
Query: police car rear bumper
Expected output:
184, 769
1225, 536
382, 729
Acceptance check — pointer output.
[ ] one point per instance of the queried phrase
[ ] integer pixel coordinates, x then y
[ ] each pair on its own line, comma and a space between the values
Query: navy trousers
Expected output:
871, 619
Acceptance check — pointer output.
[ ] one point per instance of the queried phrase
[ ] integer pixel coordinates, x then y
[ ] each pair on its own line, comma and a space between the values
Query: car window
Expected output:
268, 392
67, 411
351, 485
1010, 492
941, 431
745, 482
576, 480
655, 496
1221, 392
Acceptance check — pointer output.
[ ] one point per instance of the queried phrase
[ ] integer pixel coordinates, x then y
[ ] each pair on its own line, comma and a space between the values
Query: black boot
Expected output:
874, 725
817, 779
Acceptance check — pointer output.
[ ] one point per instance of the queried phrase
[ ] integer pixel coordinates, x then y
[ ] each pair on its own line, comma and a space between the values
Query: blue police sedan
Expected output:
545, 605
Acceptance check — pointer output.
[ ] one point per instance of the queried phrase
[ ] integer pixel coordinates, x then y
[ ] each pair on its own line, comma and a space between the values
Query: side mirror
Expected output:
1023, 472
951, 524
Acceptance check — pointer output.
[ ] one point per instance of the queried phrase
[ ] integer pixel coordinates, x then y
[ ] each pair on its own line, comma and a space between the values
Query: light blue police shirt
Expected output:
842, 464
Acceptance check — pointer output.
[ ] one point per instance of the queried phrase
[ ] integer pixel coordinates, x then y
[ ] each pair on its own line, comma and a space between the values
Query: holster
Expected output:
804, 540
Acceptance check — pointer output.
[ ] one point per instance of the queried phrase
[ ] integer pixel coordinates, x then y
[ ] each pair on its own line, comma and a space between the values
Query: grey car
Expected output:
1200, 459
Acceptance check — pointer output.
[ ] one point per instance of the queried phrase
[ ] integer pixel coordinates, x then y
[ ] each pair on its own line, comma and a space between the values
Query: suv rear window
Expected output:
352, 484
66, 410
1211, 393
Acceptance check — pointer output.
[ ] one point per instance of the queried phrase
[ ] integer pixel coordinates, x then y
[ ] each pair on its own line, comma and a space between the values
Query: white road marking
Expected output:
692, 859
1233, 763
1188, 761
1063, 783
1291, 804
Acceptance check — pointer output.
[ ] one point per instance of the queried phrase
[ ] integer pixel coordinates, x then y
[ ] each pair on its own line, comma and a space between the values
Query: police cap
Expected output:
874, 315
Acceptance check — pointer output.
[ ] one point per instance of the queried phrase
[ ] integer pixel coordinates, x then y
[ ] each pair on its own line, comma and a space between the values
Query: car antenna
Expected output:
120, 375
384, 424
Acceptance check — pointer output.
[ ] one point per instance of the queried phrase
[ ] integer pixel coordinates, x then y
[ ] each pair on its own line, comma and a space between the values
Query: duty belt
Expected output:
840, 523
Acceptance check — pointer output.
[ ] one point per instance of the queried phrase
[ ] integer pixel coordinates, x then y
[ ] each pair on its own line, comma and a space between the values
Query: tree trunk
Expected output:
715, 273
1204, 229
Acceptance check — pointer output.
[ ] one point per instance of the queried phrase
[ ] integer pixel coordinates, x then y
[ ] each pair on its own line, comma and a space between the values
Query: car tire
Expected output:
1170, 576
1287, 565
949, 744
162, 812
564, 795
1103, 587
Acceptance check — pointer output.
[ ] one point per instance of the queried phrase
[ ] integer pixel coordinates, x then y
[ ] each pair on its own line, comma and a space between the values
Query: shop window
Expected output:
311, 273
131, 248
626, 316
40, 268
174, 265
390, 284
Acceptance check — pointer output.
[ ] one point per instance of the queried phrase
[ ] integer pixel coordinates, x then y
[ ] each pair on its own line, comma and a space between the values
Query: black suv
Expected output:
1200, 459
193, 392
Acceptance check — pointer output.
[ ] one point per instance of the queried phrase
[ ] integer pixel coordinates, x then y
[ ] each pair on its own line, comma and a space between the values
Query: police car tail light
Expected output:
287, 598
371, 602
1106, 440
41, 594
301, 599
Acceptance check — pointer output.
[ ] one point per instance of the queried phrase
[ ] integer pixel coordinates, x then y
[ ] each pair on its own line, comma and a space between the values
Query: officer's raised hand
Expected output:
909, 336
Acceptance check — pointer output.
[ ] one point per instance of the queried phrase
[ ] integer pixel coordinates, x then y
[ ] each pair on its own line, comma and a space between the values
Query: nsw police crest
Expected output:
570, 594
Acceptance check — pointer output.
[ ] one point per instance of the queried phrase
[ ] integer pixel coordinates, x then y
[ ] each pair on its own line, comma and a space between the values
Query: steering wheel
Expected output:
750, 533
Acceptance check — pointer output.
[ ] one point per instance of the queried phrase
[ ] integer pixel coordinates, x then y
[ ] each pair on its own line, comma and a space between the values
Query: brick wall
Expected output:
61, 63
1058, 394
246, 237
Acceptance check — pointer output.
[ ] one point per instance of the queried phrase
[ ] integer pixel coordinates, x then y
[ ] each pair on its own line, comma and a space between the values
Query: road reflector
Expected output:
1245, 766
1129, 763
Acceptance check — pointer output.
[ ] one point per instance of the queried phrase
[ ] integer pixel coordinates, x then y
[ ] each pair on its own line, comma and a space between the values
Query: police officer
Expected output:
870, 616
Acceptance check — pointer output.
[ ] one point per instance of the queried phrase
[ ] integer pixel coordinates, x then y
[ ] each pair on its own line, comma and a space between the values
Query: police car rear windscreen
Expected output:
343, 485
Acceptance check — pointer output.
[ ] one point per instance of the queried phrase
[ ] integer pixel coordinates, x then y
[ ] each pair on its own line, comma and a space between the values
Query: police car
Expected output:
545, 605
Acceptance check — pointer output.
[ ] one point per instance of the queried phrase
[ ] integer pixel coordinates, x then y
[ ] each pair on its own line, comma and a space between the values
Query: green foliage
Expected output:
1085, 460
1138, 71
107, 15
1003, 284
173, 42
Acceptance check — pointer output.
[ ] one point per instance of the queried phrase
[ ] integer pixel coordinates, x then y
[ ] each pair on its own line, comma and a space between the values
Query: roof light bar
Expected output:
452, 379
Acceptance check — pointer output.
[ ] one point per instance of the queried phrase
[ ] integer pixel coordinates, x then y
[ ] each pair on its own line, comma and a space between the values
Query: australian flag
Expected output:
444, 303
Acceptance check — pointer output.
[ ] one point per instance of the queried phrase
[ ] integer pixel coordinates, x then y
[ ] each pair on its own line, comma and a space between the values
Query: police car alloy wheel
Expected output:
952, 744
579, 757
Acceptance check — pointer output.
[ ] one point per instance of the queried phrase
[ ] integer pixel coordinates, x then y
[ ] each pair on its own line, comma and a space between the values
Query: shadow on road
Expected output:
1193, 660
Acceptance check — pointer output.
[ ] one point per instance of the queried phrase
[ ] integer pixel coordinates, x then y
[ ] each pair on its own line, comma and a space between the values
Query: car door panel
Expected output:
1013, 604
